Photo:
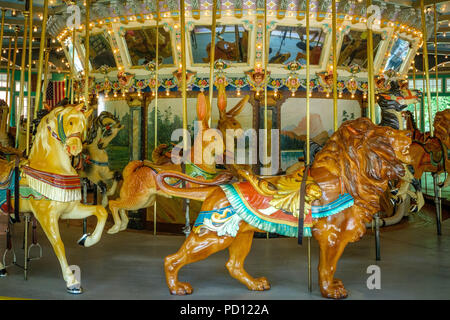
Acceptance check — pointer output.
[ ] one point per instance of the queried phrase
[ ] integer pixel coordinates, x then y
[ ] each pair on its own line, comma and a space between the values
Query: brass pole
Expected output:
414, 87
308, 129
30, 60
13, 73
86, 56
41, 58
7, 98
183, 72
334, 43
44, 90
426, 66
156, 100
74, 69
22, 77
184, 98
266, 120
212, 54
370, 79
1, 30
436, 57
422, 112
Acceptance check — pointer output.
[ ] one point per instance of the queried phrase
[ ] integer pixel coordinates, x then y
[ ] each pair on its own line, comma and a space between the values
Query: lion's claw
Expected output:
335, 291
260, 284
181, 289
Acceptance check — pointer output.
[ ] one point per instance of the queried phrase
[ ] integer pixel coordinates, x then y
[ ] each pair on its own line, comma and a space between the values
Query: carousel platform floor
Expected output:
415, 265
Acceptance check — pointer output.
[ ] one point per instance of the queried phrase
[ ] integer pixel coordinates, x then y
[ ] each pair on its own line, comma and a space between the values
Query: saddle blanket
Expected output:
255, 209
25, 192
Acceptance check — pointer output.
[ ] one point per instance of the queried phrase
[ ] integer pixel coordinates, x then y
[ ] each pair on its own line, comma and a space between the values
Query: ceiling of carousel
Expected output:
128, 19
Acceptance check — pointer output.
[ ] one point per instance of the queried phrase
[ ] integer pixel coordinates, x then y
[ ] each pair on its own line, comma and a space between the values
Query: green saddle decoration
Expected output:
195, 171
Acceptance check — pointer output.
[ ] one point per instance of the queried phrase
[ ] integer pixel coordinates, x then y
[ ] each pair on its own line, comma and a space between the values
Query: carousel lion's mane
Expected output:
361, 155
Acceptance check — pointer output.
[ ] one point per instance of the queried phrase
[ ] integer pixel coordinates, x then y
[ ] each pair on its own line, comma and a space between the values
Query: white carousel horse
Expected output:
52, 186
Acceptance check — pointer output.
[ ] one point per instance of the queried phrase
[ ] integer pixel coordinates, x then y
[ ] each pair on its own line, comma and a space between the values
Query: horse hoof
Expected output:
414, 208
114, 229
83, 239
3, 273
75, 290
394, 192
393, 201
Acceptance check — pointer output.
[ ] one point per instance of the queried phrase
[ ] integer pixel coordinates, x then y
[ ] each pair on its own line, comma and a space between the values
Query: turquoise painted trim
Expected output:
247, 215
343, 202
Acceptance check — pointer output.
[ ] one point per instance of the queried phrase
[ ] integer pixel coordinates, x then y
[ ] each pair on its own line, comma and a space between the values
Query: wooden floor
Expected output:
415, 265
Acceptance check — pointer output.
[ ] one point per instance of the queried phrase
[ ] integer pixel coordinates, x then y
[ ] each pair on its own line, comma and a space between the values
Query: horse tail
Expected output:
131, 167
194, 193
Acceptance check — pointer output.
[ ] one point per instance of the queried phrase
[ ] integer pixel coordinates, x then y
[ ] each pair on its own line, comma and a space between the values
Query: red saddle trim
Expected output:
68, 182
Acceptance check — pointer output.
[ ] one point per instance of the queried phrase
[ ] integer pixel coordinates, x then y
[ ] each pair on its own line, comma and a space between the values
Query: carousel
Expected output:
123, 128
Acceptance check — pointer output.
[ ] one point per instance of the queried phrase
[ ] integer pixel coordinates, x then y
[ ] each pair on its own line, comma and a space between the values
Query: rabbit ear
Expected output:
239, 107
222, 100
203, 108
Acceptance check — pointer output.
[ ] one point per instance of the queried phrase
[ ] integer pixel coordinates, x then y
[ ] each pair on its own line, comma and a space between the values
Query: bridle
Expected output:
60, 135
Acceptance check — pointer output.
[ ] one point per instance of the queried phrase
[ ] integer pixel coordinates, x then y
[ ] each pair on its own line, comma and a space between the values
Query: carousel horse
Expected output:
139, 188
430, 154
50, 187
93, 162
352, 171
392, 102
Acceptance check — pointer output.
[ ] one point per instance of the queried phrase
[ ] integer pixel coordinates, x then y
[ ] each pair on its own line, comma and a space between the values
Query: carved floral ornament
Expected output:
254, 80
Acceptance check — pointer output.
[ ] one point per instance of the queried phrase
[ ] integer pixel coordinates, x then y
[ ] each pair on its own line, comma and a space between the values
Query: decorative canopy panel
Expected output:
123, 38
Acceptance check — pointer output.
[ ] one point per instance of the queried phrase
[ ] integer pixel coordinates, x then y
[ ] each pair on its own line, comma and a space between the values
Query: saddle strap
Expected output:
301, 210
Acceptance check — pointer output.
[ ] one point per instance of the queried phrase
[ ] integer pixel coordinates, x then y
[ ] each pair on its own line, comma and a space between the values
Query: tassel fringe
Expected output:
54, 193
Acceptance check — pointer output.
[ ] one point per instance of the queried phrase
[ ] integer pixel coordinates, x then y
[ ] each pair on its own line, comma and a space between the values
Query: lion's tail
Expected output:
194, 193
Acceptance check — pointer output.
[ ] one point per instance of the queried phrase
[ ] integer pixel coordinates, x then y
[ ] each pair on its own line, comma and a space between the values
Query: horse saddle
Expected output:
6, 171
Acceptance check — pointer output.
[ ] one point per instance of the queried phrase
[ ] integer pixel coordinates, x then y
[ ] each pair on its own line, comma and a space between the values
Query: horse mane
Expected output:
98, 123
361, 155
413, 121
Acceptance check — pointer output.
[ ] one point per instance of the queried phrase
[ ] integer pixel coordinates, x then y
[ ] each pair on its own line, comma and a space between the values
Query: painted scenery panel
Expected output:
293, 124
141, 44
354, 48
100, 52
119, 148
288, 43
231, 43
169, 119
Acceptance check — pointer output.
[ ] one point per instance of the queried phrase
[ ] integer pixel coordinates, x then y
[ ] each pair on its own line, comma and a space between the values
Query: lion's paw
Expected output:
335, 290
260, 284
181, 289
